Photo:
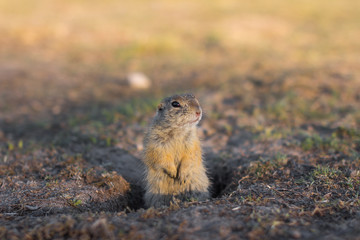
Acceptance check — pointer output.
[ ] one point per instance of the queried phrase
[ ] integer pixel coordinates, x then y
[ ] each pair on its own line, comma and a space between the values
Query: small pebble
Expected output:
138, 80
296, 234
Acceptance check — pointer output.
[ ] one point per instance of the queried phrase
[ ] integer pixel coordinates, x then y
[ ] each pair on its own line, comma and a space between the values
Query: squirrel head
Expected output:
179, 110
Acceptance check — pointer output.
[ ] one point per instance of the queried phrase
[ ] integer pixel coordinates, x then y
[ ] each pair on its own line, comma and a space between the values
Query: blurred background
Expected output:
65, 63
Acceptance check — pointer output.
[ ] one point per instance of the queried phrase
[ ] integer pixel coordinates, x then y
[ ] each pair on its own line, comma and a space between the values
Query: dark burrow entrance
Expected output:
220, 177
220, 172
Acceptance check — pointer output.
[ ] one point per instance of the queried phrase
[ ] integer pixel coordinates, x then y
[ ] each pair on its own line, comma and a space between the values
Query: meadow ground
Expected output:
279, 83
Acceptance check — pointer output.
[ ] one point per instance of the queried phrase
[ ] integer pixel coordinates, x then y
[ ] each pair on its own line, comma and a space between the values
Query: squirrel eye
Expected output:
175, 104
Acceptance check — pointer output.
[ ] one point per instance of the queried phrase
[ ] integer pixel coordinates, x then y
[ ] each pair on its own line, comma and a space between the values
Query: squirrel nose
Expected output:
197, 113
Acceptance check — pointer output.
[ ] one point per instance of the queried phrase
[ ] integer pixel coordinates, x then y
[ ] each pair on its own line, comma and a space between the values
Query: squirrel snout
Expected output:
197, 113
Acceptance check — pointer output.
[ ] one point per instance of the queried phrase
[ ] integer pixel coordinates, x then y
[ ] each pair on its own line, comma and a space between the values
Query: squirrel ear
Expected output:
160, 107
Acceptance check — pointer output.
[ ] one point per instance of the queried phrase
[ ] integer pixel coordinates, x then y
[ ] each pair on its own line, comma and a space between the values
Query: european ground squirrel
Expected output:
172, 153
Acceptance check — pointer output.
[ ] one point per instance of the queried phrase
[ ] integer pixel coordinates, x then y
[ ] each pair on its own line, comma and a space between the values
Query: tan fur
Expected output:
172, 154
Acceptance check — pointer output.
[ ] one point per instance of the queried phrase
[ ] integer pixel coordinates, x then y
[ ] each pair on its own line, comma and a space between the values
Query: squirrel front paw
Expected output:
182, 177
171, 171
